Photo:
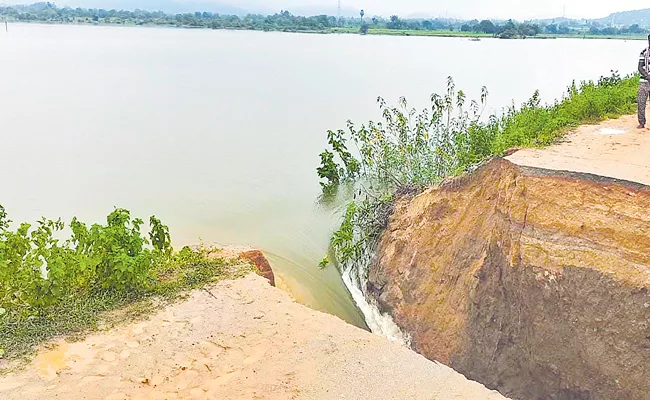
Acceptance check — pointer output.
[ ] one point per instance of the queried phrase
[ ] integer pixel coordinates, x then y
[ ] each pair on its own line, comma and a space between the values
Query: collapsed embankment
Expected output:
237, 339
531, 281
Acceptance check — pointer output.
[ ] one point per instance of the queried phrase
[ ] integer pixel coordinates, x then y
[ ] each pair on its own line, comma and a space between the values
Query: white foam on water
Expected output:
378, 322
611, 131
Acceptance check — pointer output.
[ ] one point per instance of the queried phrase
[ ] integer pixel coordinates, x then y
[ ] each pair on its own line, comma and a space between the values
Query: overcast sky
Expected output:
520, 9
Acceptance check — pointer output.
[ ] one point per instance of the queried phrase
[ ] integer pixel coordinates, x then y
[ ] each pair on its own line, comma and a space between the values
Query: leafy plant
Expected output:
50, 287
37, 271
407, 148
159, 236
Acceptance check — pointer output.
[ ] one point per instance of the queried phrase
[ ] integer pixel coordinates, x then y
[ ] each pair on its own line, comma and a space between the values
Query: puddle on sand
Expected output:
48, 363
64, 356
611, 131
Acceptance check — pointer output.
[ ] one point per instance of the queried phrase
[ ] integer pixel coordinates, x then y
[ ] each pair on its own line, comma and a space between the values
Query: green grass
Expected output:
406, 32
51, 287
74, 317
590, 36
447, 33
538, 125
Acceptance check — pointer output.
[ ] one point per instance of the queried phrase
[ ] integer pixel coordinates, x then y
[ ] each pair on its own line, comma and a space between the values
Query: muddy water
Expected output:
218, 132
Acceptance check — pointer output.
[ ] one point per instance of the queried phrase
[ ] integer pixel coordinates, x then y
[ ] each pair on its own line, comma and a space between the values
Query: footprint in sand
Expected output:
211, 349
109, 356
256, 353
214, 385
185, 379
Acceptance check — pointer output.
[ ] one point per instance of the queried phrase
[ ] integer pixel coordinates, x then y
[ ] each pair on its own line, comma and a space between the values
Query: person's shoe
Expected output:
641, 126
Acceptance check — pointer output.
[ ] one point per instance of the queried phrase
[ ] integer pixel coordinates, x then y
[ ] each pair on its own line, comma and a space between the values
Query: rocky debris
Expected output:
534, 282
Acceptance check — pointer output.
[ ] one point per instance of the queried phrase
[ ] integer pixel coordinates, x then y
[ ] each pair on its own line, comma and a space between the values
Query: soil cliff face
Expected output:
533, 282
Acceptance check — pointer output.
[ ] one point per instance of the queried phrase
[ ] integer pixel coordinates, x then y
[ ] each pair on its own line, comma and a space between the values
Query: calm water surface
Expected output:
218, 132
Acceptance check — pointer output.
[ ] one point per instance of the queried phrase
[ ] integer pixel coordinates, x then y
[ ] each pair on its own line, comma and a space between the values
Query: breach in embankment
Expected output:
531, 280
111, 314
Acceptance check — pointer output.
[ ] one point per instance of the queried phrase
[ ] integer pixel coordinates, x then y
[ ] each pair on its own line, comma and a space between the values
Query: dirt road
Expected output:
614, 148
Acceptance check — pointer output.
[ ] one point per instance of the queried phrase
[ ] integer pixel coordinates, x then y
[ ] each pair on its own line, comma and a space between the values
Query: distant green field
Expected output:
589, 36
406, 32
447, 33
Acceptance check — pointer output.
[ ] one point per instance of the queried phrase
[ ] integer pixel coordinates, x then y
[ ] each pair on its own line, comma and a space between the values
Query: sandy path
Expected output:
241, 339
613, 148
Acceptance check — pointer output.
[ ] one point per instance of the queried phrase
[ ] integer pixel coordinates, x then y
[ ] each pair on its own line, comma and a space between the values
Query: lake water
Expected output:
218, 132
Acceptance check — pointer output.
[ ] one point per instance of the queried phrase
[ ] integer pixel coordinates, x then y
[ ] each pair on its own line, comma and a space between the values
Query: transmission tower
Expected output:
338, 13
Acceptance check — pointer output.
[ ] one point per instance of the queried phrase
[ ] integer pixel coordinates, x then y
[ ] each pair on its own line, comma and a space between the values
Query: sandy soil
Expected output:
614, 148
240, 339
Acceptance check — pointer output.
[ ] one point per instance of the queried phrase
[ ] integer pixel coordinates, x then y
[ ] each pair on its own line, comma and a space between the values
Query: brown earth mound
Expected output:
533, 282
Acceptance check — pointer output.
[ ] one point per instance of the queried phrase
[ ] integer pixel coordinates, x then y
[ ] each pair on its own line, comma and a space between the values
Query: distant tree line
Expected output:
633, 29
285, 21
48, 12
508, 30
511, 29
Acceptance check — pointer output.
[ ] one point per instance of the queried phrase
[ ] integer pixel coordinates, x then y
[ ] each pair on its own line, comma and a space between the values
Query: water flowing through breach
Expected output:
355, 279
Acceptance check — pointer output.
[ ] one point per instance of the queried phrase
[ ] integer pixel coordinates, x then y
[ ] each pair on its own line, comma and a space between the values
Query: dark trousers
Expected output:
641, 99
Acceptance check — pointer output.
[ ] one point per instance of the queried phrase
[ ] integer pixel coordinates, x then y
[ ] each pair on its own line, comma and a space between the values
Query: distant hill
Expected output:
626, 18
309, 10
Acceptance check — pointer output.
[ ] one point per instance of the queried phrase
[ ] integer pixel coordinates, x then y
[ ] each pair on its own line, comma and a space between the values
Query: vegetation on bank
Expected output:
51, 287
408, 150
287, 22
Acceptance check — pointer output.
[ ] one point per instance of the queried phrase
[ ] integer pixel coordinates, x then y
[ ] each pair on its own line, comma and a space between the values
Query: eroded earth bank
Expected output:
533, 281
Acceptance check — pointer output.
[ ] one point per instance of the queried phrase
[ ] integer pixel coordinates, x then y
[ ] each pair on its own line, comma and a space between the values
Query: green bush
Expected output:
38, 271
50, 287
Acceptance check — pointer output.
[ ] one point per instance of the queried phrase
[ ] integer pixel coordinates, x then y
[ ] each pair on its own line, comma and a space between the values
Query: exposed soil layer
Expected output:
531, 281
258, 259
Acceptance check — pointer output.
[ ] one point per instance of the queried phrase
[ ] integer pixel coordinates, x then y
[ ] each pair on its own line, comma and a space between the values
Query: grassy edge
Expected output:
73, 320
458, 34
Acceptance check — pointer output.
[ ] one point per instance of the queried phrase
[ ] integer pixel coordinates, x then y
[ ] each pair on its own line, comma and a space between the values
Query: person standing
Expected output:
644, 84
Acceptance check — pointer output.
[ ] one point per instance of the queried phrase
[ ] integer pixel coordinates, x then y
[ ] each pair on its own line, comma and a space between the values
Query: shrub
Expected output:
50, 287
38, 271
